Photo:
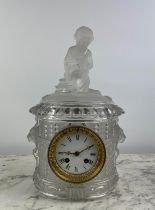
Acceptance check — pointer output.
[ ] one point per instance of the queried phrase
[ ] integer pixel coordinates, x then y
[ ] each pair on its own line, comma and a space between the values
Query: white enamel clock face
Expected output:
76, 154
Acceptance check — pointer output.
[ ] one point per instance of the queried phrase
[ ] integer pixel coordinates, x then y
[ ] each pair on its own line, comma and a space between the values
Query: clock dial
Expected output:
76, 154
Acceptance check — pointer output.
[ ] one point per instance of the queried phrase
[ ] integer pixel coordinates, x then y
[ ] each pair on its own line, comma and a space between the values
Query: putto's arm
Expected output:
90, 59
71, 64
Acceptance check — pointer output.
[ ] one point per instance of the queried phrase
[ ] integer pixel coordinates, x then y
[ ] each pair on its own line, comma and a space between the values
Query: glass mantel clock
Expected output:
76, 132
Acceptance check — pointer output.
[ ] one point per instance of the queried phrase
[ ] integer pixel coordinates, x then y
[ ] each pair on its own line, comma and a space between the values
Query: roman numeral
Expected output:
92, 154
69, 138
90, 162
62, 160
84, 167
77, 136
76, 169
85, 139
67, 166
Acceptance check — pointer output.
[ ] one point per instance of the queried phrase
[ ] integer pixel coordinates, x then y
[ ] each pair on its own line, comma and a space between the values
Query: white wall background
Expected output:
34, 38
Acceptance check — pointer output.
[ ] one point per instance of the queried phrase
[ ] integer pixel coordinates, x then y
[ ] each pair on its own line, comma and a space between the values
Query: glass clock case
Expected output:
92, 120
76, 132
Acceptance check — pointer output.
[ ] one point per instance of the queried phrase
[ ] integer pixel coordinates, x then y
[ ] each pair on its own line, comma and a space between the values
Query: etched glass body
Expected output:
56, 112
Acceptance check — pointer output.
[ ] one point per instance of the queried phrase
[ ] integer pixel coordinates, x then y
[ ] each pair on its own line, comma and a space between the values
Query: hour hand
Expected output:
68, 153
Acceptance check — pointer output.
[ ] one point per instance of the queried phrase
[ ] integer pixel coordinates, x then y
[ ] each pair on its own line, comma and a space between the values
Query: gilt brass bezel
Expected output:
71, 177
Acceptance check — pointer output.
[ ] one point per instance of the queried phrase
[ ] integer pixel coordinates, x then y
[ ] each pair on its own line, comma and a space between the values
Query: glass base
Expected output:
76, 192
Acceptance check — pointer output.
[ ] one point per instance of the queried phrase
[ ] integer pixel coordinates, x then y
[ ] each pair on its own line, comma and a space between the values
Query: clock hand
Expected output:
68, 153
76, 153
86, 148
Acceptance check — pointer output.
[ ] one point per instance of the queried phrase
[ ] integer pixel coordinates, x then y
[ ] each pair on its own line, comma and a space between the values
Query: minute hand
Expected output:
87, 148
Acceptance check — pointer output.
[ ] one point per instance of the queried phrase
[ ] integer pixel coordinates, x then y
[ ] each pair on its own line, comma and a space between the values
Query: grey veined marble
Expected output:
135, 189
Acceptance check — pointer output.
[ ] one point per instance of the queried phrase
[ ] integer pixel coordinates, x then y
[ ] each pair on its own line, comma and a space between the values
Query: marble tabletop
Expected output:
135, 189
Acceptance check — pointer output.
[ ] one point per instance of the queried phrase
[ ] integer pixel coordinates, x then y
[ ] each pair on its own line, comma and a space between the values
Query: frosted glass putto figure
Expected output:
78, 61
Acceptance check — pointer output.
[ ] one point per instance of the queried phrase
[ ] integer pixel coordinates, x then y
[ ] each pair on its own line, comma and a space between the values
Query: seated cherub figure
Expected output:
78, 61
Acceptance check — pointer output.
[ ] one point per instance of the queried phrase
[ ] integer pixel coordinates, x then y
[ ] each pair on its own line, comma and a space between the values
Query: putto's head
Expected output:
84, 36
